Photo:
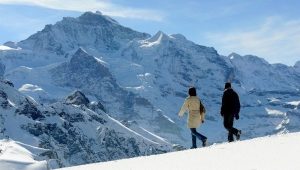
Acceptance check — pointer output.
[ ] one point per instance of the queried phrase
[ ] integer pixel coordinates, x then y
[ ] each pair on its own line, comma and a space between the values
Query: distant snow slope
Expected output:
273, 153
15, 155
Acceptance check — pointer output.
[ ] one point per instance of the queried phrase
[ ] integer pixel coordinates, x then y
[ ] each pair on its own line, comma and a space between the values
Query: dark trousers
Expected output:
228, 124
195, 135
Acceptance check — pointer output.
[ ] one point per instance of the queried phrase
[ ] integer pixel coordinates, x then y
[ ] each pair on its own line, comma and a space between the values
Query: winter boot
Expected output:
204, 142
238, 135
230, 137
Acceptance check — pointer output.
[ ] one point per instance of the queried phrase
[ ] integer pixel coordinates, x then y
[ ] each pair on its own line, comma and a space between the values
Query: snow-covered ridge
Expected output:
275, 152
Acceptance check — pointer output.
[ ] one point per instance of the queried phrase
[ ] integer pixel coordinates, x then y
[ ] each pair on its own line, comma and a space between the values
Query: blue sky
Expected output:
267, 28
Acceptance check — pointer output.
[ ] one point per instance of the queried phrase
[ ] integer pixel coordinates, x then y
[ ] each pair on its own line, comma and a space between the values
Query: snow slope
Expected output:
16, 155
268, 153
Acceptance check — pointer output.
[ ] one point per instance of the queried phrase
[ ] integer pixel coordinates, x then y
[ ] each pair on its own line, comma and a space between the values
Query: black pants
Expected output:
195, 135
228, 124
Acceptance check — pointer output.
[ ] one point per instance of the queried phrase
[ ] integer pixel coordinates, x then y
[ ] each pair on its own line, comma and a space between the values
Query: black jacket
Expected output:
230, 103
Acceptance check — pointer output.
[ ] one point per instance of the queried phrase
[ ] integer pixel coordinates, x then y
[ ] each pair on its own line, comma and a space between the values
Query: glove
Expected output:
237, 116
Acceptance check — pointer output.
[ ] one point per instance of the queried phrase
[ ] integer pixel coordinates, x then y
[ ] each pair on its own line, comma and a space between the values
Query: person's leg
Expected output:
194, 142
228, 123
230, 137
199, 136
234, 131
237, 133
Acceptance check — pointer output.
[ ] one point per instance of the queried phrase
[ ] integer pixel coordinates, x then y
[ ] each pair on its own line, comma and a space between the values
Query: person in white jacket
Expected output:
192, 104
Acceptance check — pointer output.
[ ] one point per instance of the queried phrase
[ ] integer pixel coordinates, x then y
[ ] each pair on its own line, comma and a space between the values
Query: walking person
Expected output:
196, 116
229, 110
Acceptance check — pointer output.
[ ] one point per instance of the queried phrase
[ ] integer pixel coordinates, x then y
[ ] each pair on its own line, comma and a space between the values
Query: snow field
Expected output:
266, 153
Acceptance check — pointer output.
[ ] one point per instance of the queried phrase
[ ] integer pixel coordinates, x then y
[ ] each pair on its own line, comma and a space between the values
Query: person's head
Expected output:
192, 91
227, 85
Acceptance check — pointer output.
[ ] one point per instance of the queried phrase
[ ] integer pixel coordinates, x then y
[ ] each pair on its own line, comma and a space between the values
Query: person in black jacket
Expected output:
230, 109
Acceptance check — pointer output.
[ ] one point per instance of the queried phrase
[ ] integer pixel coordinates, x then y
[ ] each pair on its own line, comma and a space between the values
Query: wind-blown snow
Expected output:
274, 112
268, 153
30, 87
2, 47
294, 103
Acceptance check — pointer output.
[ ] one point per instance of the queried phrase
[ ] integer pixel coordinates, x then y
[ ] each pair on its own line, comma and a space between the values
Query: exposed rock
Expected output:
96, 105
3, 100
29, 109
77, 98
7, 82
2, 70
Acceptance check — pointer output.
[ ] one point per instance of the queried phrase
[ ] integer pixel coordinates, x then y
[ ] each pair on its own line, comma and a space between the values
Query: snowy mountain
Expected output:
274, 152
139, 81
259, 74
90, 30
70, 132
297, 66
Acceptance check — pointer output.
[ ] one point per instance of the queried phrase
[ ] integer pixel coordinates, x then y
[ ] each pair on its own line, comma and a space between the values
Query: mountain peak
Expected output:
82, 62
297, 66
81, 51
233, 55
88, 30
77, 98
98, 12
96, 18
255, 59
179, 36
248, 58
80, 57
159, 37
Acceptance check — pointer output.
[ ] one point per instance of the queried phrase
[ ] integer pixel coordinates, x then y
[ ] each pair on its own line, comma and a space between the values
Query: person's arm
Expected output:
223, 104
202, 112
238, 106
238, 103
202, 117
